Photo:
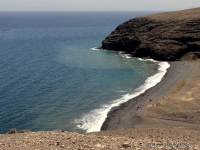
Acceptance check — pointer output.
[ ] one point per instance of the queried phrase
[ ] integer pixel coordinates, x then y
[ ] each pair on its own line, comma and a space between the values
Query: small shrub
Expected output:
159, 140
190, 56
180, 85
133, 137
12, 131
25, 131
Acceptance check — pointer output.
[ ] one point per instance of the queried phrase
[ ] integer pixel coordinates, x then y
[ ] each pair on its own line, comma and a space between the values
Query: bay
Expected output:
50, 76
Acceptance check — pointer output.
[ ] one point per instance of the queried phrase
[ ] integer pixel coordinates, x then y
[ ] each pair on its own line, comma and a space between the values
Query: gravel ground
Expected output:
144, 139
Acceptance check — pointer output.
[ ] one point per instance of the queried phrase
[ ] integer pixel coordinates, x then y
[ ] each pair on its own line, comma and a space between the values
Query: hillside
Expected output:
146, 139
164, 36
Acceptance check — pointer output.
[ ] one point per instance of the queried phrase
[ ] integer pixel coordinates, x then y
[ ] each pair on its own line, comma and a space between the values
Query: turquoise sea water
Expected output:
51, 78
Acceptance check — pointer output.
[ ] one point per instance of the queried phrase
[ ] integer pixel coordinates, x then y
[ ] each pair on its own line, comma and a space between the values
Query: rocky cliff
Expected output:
164, 36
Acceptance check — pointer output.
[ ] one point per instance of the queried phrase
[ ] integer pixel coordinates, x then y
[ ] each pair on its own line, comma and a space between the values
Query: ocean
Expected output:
52, 77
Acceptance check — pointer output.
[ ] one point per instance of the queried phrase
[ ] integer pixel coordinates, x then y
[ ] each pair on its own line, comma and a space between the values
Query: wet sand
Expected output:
148, 116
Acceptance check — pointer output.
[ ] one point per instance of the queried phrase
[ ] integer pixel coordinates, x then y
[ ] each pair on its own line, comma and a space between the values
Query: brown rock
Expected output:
73, 142
86, 146
100, 146
126, 144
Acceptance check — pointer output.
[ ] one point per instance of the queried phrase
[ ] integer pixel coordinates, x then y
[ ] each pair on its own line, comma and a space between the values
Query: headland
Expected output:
165, 36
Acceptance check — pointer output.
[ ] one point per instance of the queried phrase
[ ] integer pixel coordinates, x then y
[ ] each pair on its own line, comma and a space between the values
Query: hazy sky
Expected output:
98, 5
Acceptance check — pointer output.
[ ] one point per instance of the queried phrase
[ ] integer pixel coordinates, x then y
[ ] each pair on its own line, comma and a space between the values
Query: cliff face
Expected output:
164, 36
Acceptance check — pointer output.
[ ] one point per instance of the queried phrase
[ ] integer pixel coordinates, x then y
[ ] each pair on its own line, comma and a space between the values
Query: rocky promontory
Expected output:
163, 36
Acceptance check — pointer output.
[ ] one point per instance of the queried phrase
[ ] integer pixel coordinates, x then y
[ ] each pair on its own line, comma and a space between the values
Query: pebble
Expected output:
74, 142
126, 144
99, 146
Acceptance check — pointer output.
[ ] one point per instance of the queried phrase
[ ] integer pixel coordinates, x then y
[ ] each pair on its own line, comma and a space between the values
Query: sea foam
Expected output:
127, 56
93, 120
95, 49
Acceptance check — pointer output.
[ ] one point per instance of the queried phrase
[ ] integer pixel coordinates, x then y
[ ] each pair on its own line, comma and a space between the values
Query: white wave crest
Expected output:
147, 60
95, 49
93, 120
121, 91
127, 56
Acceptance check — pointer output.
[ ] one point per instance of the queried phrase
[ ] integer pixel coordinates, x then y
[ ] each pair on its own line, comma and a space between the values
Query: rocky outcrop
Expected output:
164, 36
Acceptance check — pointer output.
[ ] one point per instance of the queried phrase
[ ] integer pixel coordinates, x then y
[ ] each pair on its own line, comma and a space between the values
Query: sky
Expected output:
97, 5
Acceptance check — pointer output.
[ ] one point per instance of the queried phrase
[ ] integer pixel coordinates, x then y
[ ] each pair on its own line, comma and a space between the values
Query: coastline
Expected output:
165, 116
128, 116
150, 82
146, 130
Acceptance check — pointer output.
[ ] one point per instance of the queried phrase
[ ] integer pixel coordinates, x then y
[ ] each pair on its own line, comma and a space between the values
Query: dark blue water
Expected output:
51, 79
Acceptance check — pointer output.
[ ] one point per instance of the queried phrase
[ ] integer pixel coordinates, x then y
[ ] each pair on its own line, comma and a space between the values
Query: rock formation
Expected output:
164, 36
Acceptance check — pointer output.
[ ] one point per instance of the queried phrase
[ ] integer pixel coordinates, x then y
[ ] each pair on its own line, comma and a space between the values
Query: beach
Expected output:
173, 102
169, 121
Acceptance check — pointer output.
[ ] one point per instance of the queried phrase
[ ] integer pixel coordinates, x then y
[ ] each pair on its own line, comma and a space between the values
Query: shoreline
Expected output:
150, 82
127, 115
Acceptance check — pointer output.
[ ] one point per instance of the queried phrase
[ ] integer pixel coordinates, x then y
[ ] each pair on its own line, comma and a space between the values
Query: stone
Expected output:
86, 146
73, 142
98, 145
126, 144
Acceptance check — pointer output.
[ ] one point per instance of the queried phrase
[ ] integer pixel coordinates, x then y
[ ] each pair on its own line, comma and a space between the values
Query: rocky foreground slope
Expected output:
164, 36
144, 139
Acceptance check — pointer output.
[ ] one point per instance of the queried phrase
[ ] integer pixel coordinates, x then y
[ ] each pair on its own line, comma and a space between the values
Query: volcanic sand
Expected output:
175, 102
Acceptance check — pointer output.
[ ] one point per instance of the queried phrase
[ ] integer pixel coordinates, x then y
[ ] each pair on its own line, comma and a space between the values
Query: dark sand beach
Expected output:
161, 97
170, 121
